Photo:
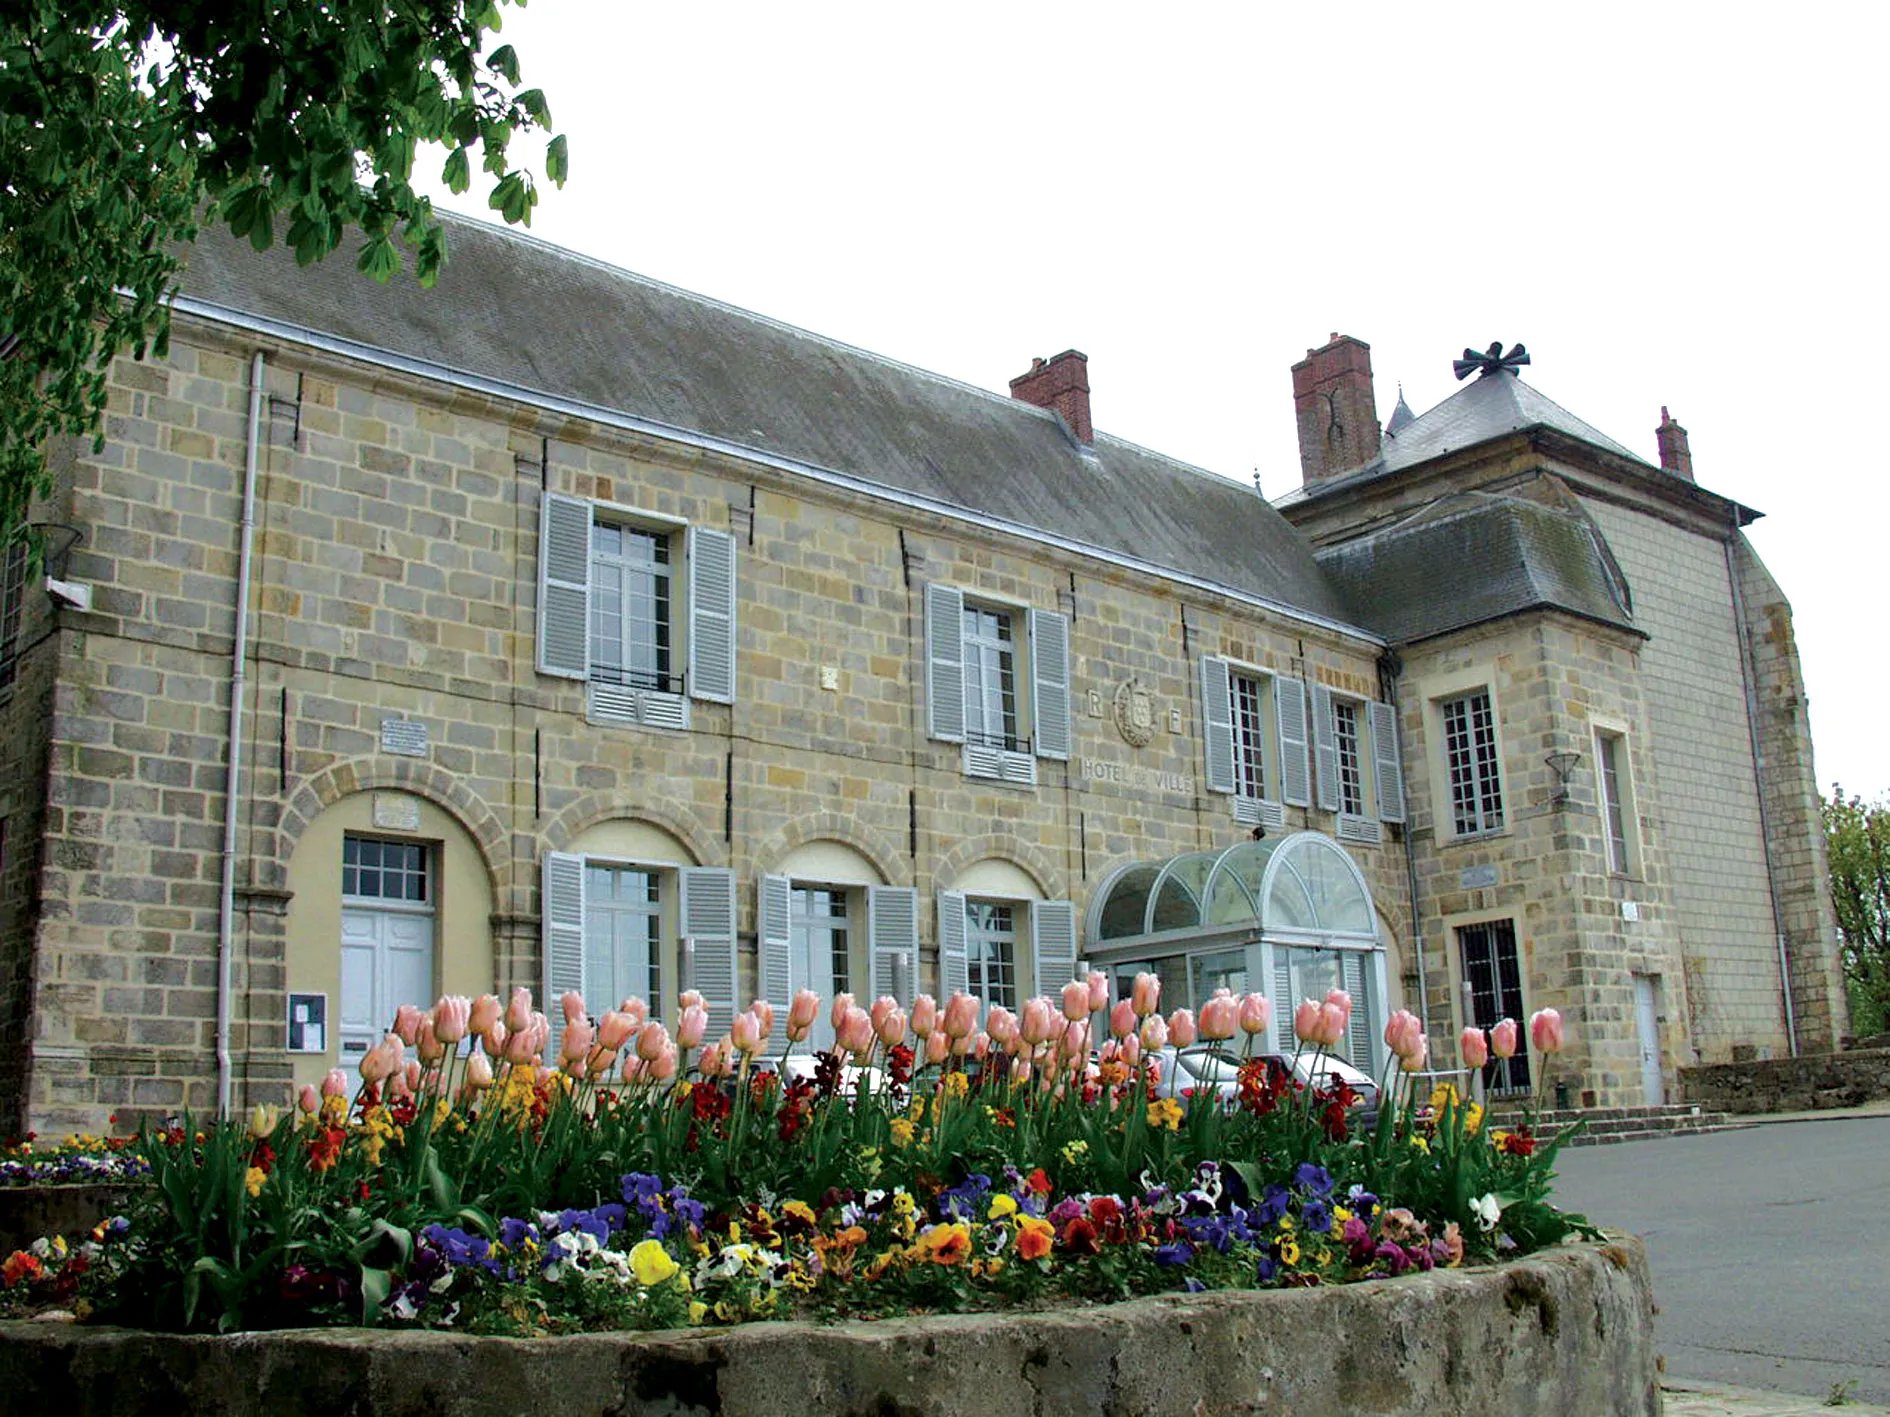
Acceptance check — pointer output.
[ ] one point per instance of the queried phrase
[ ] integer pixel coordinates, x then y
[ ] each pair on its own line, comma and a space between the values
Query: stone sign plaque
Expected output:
1477, 877
405, 736
396, 812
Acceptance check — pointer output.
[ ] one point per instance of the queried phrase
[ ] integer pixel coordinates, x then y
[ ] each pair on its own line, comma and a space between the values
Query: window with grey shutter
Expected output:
1217, 724
892, 941
1053, 944
711, 615
708, 928
1289, 712
1356, 971
774, 930
954, 965
944, 664
1283, 1002
564, 586
1325, 748
1050, 682
561, 925
1388, 766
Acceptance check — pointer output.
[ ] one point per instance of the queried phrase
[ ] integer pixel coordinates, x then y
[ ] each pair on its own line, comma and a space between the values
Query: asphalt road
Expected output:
1770, 1248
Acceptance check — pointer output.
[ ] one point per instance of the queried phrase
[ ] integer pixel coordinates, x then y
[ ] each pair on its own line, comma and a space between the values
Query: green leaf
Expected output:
557, 160
458, 170
504, 60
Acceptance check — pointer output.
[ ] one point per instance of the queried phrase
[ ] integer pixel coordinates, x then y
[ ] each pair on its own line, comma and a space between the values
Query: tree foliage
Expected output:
1857, 836
124, 127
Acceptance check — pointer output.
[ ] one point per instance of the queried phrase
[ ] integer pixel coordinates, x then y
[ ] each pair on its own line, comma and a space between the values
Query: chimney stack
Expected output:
1060, 383
1675, 456
1337, 415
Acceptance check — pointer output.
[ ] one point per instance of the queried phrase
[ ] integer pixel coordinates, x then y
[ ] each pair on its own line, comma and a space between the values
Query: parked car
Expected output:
802, 1065
1216, 1070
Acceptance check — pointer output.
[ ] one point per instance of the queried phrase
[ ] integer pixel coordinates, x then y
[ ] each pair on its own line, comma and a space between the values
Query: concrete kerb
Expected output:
1569, 1331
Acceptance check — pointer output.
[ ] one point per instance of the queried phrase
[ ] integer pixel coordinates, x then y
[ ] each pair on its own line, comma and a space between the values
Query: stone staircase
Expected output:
1607, 1125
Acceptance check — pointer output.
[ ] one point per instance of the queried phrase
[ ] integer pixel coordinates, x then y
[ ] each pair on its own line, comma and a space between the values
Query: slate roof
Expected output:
539, 319
1473, 557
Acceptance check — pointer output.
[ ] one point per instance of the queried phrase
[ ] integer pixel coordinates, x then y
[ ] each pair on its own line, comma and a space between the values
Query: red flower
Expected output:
1038, 1182
1079, 1237
324, 1148
1518, 1143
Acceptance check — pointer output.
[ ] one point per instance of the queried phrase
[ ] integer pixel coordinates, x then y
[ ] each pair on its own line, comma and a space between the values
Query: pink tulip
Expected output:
1306, 1022
716, 1060
891, 1029
1098, 991
1503, 1038
745, 1033
518, 1012
540, 1033
855, 1033
961, 1016
494, 1039
1343, 1000
334, 1083
1181, 1028
572, 1003
663, 1066
1154, 1072
478, 1072
1131, 1050
1148, 995
633, 1067
1474, 1047
801, 1014
309, 1099
486, 1011
410, 1074
1002, 1026
451, 1016
1122, 1018
981, 1044
1020, 1070
576, 1043
407, 1023
1038, 1022
1154, 1033
837, 1015
653, 1038
637, 1009
519, 1047
1219, 1017
1331, 1025
764, 1012
924, 1015
1545, 1031
614, 1030
690, 1027
427, 1043
1414, 1061
400, 1084
1076, 999
937, 1048
882, 1006
1256, 1014
381, 1061
1403, 1033
1076, 1039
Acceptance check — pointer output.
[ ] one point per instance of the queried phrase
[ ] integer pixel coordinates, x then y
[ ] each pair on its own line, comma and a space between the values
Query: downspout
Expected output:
1390, 670
1747, 675
226, 906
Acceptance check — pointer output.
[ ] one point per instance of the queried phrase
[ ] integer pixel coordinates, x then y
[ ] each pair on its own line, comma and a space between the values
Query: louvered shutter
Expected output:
954, 966
564, 586
1387, 763
775, 944
1325, 747
561, 927
711, 615
1283, 1002
1217, 724
1053, 944
892, 941
1358, 1033
944, 664
1050, 682
1289, 713
708, 929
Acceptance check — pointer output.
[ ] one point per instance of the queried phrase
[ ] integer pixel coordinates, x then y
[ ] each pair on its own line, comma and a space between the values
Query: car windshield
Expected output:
1210, 1062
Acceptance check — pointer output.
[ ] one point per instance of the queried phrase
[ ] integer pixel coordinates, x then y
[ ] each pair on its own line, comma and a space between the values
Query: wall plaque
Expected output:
1135, 712
396, 812
405, 736
1477, 877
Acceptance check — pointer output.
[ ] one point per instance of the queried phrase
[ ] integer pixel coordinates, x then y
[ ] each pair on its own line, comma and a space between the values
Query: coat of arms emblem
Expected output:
1135, 712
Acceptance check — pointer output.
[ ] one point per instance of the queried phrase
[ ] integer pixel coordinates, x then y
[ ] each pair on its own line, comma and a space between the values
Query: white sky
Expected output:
1668, 204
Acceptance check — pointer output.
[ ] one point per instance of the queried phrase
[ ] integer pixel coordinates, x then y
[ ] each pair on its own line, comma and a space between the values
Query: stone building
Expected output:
558, 627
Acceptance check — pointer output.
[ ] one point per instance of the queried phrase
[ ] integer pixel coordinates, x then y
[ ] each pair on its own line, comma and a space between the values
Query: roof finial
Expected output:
1491, 361
1401, 415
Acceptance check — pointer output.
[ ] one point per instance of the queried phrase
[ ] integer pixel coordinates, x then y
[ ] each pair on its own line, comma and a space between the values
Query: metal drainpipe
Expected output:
1746, 675
1390, 670
226, 917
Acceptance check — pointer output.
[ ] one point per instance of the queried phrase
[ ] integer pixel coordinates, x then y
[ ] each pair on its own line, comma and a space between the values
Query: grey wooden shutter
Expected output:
954, 964
1283, 1002
1050, 682
1289, 713
1325, 747
707, 913
774, 929
1053, 944
1387, 764
1217, 724
561, 926
564, 586
892, 941
711, 615
944, 663
1358, 1032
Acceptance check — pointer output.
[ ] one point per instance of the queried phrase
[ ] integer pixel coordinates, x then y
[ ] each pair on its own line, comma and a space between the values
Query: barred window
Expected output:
1476, 789
1351, 765
1250, 734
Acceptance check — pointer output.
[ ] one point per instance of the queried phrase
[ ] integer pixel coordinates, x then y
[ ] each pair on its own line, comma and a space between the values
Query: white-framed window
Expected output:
608, 924
1004, 950
616, 609
1255, 740
1355, 755
387, 936
831, 938
12, 605
998, 682
1616, 793
1471, 763
1492, 966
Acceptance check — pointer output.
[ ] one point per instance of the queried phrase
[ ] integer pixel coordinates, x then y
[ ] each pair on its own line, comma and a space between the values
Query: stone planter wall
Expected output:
1791, 1084
1569, 1332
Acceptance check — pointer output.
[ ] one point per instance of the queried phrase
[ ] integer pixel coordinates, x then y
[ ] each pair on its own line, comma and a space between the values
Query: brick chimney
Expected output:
1675, 456
1060, 383
1338, 417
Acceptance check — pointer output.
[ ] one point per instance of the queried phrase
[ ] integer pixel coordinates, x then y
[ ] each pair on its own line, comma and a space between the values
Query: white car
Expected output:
1210, 1069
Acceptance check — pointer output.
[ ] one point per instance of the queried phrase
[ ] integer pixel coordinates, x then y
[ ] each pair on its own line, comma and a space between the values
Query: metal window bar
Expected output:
1010, 742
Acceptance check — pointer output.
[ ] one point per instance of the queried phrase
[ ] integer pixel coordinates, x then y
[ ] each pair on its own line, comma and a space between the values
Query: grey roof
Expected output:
1401, 416
536, 318
1473, 557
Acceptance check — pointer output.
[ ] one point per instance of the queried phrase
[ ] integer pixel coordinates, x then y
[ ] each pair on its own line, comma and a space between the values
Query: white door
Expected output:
1649, 1020
386, 961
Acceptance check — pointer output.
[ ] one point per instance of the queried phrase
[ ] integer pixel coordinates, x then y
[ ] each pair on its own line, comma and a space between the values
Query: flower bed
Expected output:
647, 1182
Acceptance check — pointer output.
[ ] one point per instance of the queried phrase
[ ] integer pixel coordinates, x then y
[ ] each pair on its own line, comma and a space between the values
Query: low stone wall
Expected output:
1791, 1084
28, 1212
1568, 1332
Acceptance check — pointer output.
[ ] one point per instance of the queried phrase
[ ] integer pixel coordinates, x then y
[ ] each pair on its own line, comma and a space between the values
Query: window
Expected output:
1345, 742
12, 603
1493, 971
998, 682
623, 932
1348, 736
819, 952
1611, 777
991, 952
809, 937
386, 936
384, 870
616, 611
1004, 951
1476, 789
1254, 732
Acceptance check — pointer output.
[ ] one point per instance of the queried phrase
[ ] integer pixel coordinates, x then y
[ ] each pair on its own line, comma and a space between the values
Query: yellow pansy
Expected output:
1001, 1206
651, 1263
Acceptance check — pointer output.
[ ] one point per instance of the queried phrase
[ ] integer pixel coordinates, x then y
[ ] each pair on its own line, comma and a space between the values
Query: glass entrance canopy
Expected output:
1303, 884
